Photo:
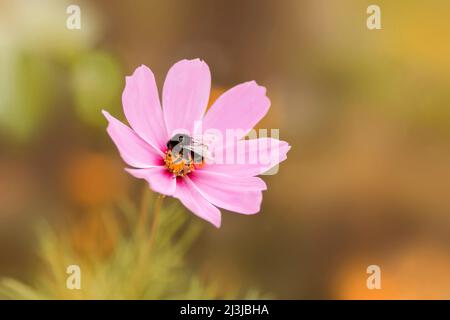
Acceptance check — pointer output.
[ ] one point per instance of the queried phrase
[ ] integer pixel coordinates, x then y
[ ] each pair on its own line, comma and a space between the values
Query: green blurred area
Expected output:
366, 112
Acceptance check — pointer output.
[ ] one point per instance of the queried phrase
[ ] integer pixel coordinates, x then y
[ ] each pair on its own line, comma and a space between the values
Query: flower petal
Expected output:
133, 150
241, 107
192, 199
142, 107
185, 95
159, 179
238, 194
248, 158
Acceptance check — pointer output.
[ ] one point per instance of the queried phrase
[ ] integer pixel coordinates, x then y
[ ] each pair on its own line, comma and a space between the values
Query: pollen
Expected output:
178, 164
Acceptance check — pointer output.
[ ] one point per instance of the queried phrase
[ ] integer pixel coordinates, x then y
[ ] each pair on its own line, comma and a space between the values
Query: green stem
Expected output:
143, 212
155, 220
144, 251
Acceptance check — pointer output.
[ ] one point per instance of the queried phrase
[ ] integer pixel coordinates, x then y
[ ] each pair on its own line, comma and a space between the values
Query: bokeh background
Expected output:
367, 113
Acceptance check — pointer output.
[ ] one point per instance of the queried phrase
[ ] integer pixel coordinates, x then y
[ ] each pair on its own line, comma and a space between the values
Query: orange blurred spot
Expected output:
93, 179
419, 271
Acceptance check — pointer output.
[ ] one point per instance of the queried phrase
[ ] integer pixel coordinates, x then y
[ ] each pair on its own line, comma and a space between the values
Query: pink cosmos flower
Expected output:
152, 145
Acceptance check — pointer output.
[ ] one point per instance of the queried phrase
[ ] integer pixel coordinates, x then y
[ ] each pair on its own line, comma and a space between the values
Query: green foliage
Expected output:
96, 84
26, 82
138, 266
42, 61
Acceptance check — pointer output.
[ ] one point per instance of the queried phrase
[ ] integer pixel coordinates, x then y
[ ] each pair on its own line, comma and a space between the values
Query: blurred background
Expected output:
367, 113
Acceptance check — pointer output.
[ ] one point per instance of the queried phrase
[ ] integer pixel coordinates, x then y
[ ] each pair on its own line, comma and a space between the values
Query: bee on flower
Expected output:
168, 148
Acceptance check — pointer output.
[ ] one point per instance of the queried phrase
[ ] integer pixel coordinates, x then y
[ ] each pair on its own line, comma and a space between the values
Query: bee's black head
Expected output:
180, 140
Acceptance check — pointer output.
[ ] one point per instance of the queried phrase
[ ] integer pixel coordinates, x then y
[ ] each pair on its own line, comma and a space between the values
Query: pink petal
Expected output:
192, 199
134, 151
159, 179
241, 107
248, 158
142, 107
238, 194
185, 95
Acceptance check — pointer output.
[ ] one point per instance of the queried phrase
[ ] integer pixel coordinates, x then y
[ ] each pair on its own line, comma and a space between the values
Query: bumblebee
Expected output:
183, 155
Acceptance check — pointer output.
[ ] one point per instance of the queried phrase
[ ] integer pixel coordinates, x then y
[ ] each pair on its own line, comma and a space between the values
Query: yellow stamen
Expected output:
179, 165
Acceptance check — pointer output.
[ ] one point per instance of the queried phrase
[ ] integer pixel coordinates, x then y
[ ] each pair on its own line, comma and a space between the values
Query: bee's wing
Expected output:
201, 146
196, 149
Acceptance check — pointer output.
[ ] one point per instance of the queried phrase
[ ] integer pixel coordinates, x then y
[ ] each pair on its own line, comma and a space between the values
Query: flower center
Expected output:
182, 155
